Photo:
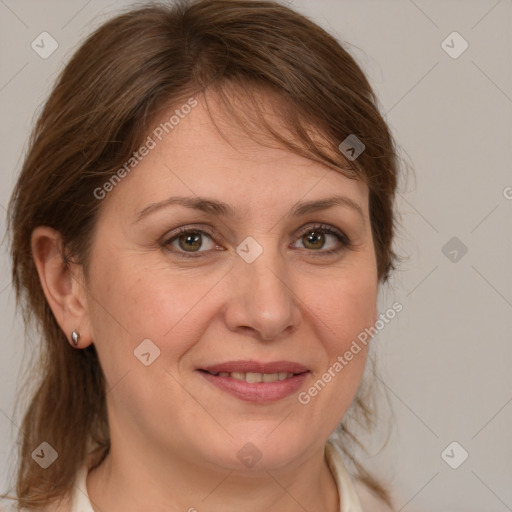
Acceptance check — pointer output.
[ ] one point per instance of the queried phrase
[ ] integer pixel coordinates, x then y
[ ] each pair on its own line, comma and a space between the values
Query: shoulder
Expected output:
369, 502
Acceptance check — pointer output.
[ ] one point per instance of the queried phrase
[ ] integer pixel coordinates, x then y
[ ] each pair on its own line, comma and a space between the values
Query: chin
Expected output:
259, 451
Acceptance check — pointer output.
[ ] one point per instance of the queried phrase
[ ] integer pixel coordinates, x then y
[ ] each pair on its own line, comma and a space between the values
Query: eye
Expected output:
317, 237
189, 240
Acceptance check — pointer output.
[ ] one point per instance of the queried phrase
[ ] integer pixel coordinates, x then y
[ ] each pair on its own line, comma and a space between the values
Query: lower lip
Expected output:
261, 392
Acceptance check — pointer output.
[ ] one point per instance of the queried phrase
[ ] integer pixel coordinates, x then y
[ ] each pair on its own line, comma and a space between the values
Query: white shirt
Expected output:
349, 501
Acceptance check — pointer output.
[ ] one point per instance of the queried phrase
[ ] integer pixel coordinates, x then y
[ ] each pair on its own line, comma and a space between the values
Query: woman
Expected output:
200, 229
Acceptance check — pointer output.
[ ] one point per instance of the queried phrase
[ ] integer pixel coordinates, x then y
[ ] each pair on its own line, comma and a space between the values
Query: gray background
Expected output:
445, 360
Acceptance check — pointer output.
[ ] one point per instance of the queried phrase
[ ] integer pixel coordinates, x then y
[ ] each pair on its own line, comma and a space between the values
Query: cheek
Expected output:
349, 310
346, 308
133, 301
141, 296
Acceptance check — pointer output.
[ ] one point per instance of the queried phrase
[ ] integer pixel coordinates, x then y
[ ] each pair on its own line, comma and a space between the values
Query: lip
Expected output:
256, 367
258, 392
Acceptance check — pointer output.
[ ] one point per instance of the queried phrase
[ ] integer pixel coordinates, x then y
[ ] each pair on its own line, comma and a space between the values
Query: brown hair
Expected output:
122, 78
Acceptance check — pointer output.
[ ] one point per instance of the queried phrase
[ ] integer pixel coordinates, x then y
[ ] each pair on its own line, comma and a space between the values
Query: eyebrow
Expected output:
220, 208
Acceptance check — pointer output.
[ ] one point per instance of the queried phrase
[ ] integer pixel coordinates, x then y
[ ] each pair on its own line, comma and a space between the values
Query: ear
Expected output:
63, 284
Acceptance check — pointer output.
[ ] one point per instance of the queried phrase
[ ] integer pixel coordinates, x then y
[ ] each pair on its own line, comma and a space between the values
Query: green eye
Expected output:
316, 237
190, 242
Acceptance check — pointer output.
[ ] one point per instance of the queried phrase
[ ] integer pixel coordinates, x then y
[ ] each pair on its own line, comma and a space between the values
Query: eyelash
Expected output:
322, 228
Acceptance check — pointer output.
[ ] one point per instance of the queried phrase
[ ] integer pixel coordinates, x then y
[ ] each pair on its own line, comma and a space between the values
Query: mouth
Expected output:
254, 377
256, 382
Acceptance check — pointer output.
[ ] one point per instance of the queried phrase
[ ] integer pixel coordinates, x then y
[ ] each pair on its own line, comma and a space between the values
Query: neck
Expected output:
150, 481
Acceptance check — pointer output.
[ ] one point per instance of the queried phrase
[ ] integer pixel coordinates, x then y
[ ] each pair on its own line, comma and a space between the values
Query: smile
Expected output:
255, 377
273, 381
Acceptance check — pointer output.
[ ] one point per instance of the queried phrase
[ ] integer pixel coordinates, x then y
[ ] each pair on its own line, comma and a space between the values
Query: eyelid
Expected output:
212, 233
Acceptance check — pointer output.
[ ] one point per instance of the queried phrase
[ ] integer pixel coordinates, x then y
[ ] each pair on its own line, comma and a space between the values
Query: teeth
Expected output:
253, 377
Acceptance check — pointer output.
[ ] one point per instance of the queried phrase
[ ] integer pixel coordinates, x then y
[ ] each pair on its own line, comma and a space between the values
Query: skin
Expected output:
175, 436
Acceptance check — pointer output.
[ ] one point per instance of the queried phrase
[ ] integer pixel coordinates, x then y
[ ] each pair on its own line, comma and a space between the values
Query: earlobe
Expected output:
63, 287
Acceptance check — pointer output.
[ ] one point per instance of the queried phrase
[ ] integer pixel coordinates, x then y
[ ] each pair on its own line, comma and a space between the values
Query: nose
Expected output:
262, 299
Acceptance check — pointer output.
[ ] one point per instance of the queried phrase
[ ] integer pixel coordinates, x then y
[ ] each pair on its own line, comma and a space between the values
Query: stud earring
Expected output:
75, 336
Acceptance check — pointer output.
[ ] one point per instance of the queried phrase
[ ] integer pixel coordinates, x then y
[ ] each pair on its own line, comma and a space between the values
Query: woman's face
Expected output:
256, 284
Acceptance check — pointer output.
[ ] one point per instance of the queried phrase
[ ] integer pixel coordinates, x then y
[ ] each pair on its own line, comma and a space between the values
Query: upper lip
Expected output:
256, 367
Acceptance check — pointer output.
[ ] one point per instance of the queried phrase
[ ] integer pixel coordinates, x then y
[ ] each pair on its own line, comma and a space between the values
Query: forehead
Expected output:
204, 152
